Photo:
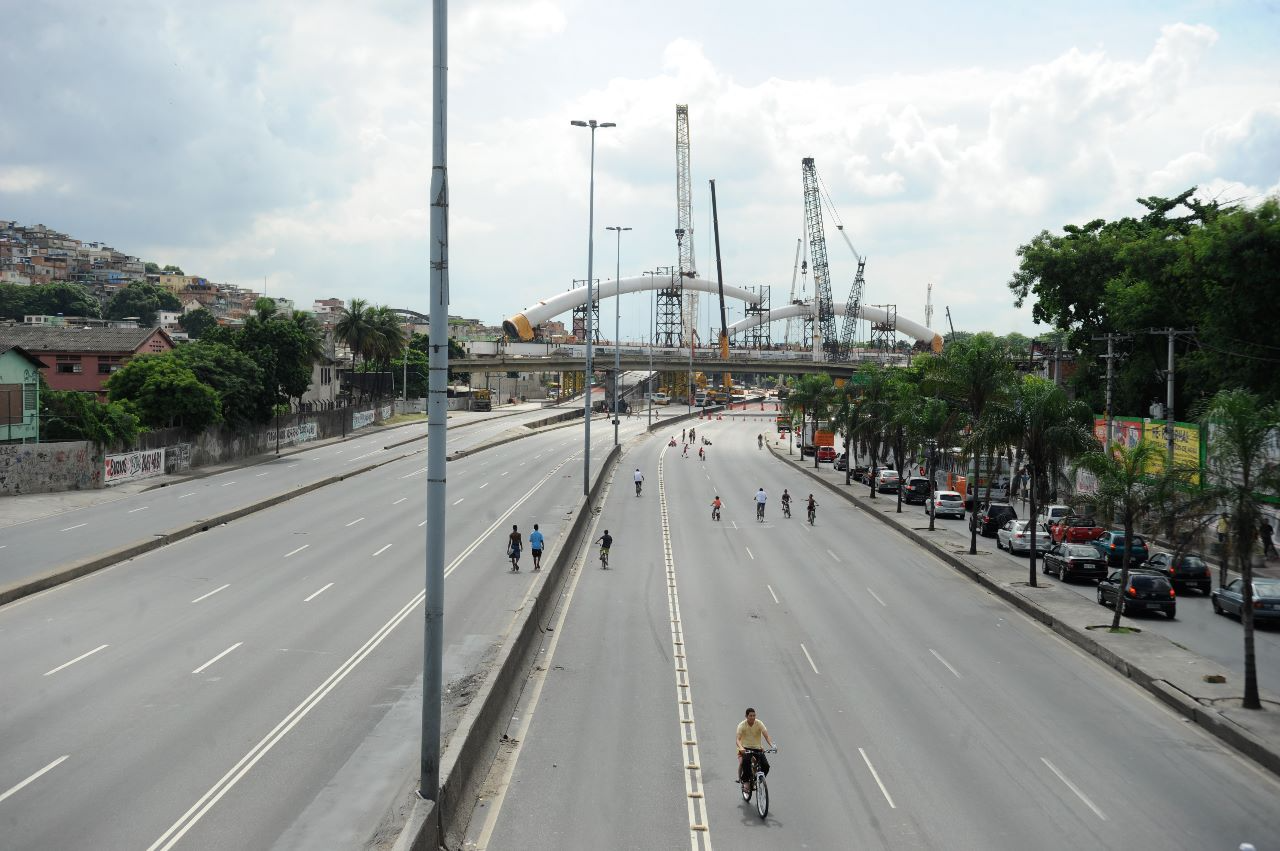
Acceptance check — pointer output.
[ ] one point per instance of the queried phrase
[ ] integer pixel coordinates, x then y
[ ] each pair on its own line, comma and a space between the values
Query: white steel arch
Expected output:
872, 314
522, 324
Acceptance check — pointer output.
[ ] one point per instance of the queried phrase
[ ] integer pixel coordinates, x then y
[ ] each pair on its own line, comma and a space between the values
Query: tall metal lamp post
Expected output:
680, 269
617, 313
591, 233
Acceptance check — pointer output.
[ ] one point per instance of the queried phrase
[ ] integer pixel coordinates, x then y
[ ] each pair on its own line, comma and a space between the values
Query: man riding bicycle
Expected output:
750, 732
715, 508
812, 508
786, 503
639, 477
761, 499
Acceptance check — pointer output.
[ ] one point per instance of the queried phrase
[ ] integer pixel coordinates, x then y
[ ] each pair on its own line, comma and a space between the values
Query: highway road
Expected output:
48, 542
257, 686
911, 708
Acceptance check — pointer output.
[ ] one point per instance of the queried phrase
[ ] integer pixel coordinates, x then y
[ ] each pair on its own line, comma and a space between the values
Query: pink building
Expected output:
83, 358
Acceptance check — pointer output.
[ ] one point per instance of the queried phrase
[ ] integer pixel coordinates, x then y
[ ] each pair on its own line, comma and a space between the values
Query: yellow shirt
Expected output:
751, 735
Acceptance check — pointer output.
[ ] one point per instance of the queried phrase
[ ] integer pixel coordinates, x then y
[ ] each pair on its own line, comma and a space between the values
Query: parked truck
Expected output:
817, 434
1075, 529
481, 400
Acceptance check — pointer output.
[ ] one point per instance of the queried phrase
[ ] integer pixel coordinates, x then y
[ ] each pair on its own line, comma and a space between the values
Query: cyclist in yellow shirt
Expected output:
750, 732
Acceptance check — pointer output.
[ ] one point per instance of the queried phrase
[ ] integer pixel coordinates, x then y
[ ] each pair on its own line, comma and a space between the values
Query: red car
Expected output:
1075, 529
826, 453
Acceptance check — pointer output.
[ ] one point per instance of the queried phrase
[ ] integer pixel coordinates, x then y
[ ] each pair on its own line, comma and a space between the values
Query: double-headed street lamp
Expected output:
591, 232
617, 313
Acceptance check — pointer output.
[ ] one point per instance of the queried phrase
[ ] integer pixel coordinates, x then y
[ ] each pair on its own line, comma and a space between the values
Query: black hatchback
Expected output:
1074, 561
1147, 591
993, 517
1188, 570
916, 490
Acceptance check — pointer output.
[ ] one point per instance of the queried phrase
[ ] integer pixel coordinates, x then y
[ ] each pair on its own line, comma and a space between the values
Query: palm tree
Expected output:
812, 397
1126, 490
873, 413
353, 329
1048, 427
904, 405
1241, 430
934, 423
385, 341
973, 372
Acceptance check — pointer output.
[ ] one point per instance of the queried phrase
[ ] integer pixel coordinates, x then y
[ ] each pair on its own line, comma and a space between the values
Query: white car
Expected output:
659, 398
948, 504
1051, 514
1015, 536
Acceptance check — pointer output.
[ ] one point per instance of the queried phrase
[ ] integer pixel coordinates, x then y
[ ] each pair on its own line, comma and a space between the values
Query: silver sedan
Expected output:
1015, 536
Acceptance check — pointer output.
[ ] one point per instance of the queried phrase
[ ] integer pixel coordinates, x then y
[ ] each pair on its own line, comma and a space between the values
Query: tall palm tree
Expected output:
873, 413
1048, 427
1242, 429
386, 340
934, 422
972, 373
904, 403
1125, 489
353, 328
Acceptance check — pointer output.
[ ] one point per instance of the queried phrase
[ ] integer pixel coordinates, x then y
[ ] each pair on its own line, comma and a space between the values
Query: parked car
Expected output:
1147, 591
842, 461
1229, 599
1075, 529
1189, 570
994, 516
859, 472
1015, 536
915, 490
1074, 561
1050, 514
946, 504
1110, 545
826, 453
887, 481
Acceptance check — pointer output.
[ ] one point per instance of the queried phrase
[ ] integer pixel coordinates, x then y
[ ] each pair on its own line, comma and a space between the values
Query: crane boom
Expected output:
825, 318
684, 218
724, 324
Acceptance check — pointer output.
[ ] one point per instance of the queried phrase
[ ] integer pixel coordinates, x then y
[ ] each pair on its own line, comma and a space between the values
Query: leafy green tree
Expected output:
235, 376
283, 349
198, 322
812, 397
143, 300
872, 413
69, 299
151, 268
163, 392
73, 415
422, 343
170, 269
1243, 429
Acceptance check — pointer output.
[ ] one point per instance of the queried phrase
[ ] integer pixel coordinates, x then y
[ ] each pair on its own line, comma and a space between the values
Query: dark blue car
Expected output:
1229, 599
1111, 547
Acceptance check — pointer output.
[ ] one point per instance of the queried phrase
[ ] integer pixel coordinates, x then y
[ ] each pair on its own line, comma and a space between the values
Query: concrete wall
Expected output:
49, 467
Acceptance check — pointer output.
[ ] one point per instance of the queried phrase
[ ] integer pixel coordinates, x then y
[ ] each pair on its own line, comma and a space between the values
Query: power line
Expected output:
1229, 352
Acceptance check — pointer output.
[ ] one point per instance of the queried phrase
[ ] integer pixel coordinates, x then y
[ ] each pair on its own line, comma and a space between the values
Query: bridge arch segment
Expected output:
909, 327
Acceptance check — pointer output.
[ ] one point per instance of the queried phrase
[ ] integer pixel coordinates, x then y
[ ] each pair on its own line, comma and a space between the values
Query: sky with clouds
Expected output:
290, 142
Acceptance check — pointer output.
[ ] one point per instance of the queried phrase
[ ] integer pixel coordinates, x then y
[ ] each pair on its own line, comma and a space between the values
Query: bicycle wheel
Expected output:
746, 793
762, 796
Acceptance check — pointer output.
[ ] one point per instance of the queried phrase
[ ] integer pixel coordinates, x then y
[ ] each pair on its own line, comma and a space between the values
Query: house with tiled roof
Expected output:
78, 358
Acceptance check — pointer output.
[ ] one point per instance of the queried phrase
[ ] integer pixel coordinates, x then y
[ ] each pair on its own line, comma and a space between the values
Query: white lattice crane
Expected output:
684, 220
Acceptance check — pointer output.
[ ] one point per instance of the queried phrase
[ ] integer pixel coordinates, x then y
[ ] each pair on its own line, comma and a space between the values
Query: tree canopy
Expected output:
164, 392
69, 299
143, 300
197, 322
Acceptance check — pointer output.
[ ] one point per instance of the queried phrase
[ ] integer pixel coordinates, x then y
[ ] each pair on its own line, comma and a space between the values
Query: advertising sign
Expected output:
1128, 432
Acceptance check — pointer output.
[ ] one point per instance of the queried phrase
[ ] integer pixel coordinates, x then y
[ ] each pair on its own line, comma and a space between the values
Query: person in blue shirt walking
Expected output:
535, 547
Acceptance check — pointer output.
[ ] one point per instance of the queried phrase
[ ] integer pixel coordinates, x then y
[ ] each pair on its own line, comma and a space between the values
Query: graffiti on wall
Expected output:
177, 457
294, 434
49, 467
131, 466
360, 419
385, 412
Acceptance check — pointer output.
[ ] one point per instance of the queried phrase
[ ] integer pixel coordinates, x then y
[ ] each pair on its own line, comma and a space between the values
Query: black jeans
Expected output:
744, 771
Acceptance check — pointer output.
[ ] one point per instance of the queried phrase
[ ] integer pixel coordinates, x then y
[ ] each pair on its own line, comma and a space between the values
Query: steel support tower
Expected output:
883, 334
669, 323
826, 318
758, 336
580, 315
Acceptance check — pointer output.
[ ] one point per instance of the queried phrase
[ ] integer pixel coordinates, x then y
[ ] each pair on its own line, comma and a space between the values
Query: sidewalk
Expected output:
1199, 689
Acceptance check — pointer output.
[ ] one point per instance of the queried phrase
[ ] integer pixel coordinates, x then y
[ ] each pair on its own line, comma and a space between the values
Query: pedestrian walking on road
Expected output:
1222, 528
683, 433
514, 545
535, 547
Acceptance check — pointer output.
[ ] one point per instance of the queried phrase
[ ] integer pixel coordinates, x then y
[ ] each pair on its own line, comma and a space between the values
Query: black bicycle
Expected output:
760, 511
813, 512
638, 484
757, 784
786, 508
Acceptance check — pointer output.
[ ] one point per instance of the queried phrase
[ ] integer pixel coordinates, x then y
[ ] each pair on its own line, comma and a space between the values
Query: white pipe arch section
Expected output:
522, 324
872, 314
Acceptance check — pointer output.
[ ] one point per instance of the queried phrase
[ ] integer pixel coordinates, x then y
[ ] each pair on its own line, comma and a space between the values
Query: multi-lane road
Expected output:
912, 709
255, 686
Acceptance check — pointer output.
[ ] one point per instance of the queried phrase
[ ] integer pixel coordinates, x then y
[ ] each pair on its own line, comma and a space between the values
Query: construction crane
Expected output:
825, 315
727, 384
854, 302
684, 219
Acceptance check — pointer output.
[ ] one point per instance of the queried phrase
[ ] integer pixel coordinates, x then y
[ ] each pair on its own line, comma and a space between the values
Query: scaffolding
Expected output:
757, 336
580, 315
883, 334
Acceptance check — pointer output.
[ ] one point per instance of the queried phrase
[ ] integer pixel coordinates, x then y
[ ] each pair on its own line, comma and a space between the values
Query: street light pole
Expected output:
591, 234
617, 314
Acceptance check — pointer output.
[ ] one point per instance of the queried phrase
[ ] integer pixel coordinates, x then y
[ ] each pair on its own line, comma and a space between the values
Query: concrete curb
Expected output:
1184, 704
465, 763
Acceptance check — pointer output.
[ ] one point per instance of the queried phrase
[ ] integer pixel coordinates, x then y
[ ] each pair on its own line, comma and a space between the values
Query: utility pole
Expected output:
1169, 436
1111, 355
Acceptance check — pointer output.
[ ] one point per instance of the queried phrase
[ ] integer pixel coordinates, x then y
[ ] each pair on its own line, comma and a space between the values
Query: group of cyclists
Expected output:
762, 497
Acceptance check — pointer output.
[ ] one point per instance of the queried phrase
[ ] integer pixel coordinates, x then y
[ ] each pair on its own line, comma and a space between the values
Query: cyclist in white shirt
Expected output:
761, 499
639, 477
